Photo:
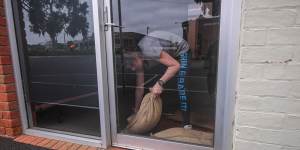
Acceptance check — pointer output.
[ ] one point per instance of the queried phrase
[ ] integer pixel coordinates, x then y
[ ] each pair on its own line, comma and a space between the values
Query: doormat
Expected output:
10, 144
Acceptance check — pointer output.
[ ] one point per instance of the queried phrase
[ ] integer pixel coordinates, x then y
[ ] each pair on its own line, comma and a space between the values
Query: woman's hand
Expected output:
156, 89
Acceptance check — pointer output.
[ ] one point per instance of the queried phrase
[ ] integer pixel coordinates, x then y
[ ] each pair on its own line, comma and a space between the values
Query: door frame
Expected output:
226, 86
227, 77
105, 140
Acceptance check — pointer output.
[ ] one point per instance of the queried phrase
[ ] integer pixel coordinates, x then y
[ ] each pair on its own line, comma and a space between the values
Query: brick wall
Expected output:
9, 114
268, 104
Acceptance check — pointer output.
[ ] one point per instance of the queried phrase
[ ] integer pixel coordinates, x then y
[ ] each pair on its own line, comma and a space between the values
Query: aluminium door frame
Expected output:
226, 85
100, 54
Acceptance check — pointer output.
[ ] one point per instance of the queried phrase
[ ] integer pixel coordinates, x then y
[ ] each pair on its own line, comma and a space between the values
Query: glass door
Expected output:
56, 43
168, 48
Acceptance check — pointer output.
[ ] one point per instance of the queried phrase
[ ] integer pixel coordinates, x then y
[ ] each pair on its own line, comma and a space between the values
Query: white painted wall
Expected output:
268, 102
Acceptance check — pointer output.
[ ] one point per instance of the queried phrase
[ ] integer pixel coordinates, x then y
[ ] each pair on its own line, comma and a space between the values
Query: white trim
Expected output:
131, 141
20, 92
110, 72
144, 143
101, 71
227, 72
16, 64
227, 76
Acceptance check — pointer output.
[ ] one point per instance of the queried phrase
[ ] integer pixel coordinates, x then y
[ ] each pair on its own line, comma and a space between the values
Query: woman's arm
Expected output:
173, 67
139, 89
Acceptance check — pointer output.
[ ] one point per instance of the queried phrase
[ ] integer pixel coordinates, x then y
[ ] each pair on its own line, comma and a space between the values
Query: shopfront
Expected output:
83, 67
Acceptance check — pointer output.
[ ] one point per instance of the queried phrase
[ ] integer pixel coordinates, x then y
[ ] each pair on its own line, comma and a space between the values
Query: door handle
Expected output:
106, 25
113, 25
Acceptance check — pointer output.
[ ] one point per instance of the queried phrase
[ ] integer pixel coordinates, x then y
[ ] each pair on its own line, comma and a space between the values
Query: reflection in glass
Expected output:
59, 64
186, 32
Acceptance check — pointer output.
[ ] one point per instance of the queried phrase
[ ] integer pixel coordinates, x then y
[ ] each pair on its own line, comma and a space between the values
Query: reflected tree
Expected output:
77, 21
47, 16
54, 16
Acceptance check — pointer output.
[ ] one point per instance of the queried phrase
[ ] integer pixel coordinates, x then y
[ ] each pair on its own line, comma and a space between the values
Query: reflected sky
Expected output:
166, 15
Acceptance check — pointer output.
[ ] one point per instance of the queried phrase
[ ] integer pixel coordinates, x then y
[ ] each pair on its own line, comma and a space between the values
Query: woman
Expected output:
171, 51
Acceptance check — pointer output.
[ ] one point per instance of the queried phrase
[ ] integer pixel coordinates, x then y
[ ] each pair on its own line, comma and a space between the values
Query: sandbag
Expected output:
186, 135
147, 116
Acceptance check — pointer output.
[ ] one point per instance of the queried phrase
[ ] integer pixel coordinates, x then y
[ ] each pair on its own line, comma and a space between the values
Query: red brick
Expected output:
2, 130
7, 88
74, 147
6, 69
83, 147
116, 148
3, 31
20, 138
28, 139
8, 97
5, 60
2, 13
37, 140
13, 131
92, 148
7, 78
58, 145
2, 21
51, 144
44, 142
10, 123
4, 41
10, 114
8, 106
4, 50
65, 146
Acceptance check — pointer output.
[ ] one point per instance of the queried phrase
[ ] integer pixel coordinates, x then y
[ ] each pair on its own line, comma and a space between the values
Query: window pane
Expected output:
56, 40
156, 36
